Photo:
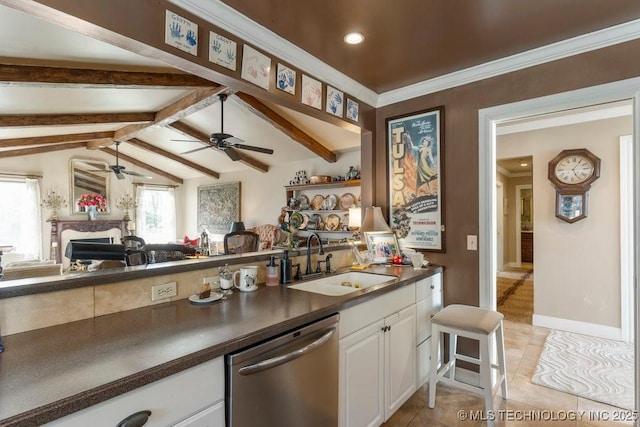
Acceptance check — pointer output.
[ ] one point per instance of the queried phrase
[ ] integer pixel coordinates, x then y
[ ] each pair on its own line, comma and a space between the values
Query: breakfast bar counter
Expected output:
51, 372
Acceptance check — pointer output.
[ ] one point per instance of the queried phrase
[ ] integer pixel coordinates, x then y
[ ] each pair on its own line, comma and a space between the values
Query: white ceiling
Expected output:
46, 44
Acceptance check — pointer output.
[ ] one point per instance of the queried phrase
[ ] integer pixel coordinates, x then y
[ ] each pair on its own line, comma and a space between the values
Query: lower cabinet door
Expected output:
423, 355
361, 390
210, 417
400, 359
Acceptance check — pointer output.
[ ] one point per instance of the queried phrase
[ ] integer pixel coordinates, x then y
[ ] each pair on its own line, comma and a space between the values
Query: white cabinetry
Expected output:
193, 398
428, 302
377, 358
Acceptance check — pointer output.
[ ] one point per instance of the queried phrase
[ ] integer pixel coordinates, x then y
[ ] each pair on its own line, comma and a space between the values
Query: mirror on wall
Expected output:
526, 209
88, 177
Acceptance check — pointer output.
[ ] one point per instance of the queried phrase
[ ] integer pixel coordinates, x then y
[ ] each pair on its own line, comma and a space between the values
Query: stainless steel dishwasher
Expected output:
288, 381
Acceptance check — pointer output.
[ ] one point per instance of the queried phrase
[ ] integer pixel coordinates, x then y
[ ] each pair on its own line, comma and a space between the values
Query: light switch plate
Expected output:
472, 242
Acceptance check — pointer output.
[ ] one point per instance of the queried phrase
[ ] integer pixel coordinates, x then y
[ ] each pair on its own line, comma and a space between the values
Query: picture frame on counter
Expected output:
382, 245
416, 188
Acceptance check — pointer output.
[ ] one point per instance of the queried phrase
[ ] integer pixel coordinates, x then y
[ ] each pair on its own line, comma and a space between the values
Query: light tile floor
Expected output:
523, 344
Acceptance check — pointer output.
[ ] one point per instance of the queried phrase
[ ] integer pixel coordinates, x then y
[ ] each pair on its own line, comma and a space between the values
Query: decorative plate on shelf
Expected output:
317, 218
316, 202
332, 223
304, 202
305, 221
330, 202
296, 219
347, 200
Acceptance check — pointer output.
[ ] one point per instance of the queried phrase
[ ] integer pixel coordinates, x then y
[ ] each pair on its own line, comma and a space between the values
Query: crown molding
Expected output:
223, 16
555, 51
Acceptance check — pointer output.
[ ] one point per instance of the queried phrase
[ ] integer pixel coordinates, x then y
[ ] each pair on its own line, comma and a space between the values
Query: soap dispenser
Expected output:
272, 272
285, 268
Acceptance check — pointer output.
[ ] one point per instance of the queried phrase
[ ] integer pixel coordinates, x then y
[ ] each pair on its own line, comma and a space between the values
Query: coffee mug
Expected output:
248, 278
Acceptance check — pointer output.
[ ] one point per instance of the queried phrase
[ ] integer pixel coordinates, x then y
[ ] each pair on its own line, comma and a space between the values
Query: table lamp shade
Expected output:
355, 217
373, 220
237, 226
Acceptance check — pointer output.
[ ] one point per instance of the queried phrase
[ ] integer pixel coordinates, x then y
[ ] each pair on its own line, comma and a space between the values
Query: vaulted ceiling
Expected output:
60, 89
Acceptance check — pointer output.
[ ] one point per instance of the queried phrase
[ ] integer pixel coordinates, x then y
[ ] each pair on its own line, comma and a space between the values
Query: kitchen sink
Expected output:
342, 284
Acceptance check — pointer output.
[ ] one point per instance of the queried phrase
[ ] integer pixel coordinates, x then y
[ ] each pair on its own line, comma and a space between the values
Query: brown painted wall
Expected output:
143, 21
461, 143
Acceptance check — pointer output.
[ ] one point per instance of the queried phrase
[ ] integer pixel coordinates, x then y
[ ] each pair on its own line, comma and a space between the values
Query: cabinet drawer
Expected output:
427, 286
361, 315
210, 417
425, 309
170, 399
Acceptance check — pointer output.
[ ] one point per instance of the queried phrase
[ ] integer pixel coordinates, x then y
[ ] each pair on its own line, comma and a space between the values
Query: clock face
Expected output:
574, 169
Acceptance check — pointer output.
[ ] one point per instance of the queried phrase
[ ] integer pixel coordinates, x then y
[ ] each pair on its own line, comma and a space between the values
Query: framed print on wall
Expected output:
382, 245
416, 181
218, 207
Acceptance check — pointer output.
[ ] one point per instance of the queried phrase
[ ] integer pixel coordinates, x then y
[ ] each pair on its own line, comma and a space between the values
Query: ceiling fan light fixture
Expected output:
354, 38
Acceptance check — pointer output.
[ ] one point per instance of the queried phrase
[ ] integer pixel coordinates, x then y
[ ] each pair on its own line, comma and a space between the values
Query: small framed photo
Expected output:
382, 245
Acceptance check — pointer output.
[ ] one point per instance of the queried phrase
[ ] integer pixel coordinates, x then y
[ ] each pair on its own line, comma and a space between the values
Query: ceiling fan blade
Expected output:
253, 148
119, 174
185, 140
197, 149
137, 174
232, 153
233, 140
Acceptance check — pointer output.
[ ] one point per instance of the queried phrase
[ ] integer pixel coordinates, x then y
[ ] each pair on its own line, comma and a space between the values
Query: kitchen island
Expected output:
51, 372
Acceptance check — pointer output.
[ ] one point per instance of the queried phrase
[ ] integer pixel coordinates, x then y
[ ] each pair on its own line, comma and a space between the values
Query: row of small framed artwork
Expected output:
256, 67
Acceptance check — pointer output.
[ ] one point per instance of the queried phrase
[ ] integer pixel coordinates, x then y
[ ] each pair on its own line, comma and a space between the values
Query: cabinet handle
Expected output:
432, 287
135, 420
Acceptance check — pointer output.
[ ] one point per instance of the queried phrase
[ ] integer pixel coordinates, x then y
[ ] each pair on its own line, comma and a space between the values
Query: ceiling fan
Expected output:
226, 142
120, 170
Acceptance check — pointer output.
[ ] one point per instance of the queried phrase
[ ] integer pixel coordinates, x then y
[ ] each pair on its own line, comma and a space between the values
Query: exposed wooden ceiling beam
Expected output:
193, 102
40, 150
67, 77
143, 165
27, 120
55, 139
264, 112
169, 155
245, 159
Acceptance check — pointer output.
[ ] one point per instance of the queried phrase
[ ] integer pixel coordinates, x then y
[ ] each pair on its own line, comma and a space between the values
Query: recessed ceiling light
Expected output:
354, 38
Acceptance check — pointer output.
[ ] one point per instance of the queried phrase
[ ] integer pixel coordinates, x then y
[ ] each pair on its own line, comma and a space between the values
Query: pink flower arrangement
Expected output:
92, 199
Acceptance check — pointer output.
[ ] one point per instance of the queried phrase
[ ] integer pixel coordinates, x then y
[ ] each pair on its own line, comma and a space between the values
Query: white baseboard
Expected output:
592, 329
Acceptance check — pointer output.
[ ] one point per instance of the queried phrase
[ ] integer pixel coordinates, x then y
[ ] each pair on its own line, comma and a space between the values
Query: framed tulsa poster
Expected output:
416, 181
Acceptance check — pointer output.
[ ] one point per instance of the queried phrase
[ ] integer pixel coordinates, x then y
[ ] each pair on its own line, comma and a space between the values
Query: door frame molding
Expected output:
487, 120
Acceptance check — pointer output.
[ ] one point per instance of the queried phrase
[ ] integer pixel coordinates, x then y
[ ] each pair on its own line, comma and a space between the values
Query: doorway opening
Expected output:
488, 121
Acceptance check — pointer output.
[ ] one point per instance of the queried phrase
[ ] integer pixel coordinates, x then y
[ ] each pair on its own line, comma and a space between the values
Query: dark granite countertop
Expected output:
51, 372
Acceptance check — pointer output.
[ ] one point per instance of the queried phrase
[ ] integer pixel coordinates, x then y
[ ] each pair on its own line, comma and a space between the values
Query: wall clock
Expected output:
572, 172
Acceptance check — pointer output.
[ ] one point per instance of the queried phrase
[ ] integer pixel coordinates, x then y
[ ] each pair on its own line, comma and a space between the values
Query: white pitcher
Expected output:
248, 278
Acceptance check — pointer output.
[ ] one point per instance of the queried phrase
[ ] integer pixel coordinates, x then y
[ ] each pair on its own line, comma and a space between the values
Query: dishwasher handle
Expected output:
263, 365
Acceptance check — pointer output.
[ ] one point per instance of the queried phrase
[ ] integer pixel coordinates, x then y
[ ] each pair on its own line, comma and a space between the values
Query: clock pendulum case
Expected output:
572, 172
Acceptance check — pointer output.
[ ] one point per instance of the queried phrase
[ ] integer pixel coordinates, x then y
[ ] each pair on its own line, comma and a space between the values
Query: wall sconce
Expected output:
54, 201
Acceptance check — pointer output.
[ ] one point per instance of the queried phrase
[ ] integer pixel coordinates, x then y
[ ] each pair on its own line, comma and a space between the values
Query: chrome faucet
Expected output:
309, 271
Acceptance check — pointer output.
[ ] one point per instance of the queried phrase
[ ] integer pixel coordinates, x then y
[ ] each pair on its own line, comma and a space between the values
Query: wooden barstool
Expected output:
474, 323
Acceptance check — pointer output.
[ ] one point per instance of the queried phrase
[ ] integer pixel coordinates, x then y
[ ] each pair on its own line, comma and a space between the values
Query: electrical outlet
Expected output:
472, 243
164, 291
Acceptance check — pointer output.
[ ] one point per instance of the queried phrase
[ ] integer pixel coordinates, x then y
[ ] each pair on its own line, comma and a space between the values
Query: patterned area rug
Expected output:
594, 368
514, 290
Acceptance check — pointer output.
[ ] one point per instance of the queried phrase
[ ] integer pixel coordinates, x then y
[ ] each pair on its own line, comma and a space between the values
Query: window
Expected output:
156, 214
20, 221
